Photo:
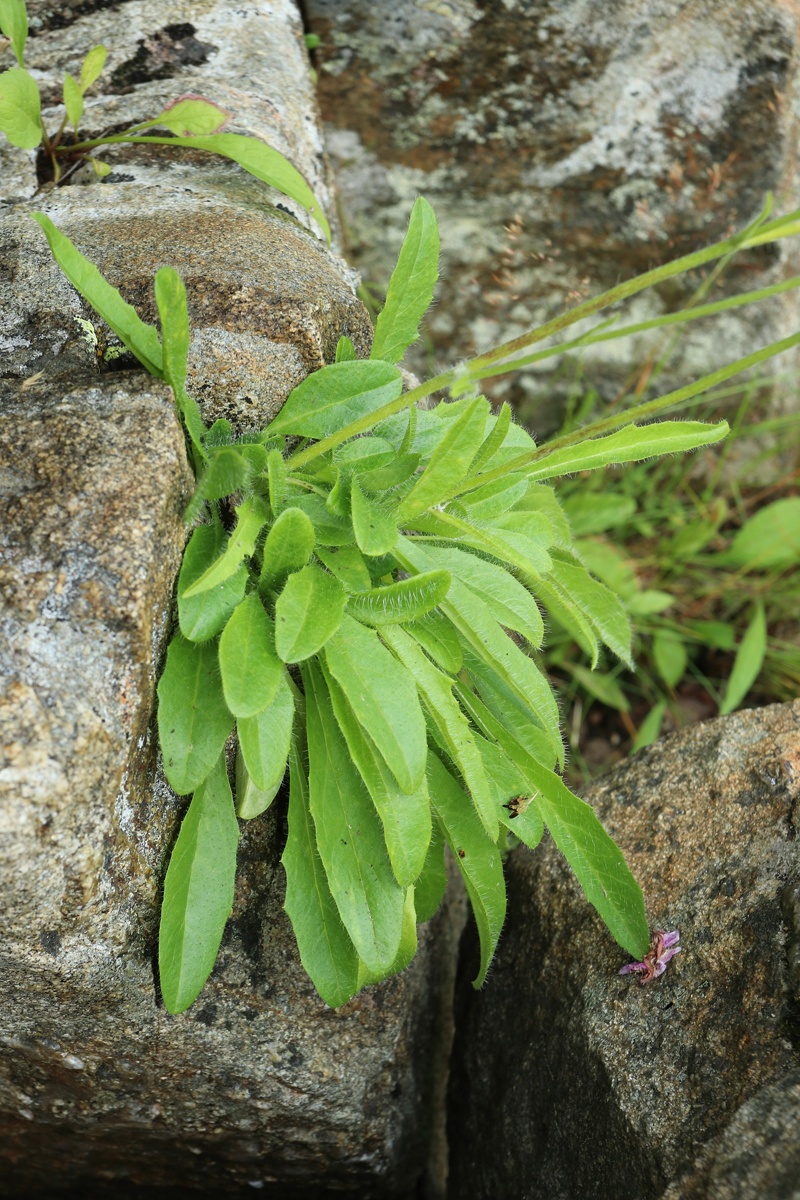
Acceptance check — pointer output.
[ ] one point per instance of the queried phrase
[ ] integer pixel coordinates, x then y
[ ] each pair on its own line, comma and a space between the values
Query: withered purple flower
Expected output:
663, 947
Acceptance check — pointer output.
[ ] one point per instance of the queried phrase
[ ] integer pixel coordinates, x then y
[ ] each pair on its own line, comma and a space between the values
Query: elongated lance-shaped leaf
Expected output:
517, 717
14, 24
597, 861
561, 608
398, 603
431, 886
250, 669
375, 529
597, 603
769, 540
494, 440
73, 101
437, 636
406, 952
349, 835
307, 613
631, 444
190, 115
475, 622
345, 350
337, 394
193, 719
748, 661
512, 604
276, 480
204, 616
251, 517
140, 339
264, 745
174, 314
411, 286
289, 546
526, 552
486, 503
329, 528
406, 819
383, 698
476, 856
437, 695
326, 951
198, 891
449, 462
255, 156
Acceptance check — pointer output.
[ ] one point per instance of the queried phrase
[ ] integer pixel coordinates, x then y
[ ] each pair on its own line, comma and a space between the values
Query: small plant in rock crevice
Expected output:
362, 607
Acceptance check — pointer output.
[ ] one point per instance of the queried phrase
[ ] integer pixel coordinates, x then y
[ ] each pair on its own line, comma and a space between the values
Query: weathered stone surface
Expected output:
565, 144
259, 1083
267, 299
568, 1080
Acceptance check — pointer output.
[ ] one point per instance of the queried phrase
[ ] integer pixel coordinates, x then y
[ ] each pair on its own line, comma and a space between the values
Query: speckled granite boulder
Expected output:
568, 1080
564, 145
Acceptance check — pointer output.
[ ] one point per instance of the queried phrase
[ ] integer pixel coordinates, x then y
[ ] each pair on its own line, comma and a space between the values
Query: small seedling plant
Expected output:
192, 122
361, 601
360, 604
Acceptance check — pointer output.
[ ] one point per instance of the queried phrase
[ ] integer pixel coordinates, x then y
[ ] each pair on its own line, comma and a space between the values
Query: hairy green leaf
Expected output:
336, 395
436, 690
439, 639
406, 950
476, 623
411, 286
326, 951
193, 719
476, 857
198, 891
345, 350
307, 613
596, 603
398, 603
251, 516
349, 835
383, 698
431, 886
140, 339
631, 444
375, 529
516, 716
596, 860
483, 504
264, 741
276, 480
499, 428
748, 661
511, 603
406, 819
515, 807
348, 565
329, 528
174, 314
449, 462
251, 670
227, 470
289, 546
526, 553
202, 617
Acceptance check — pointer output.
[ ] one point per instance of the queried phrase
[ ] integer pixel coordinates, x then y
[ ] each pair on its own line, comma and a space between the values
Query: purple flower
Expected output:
663, 947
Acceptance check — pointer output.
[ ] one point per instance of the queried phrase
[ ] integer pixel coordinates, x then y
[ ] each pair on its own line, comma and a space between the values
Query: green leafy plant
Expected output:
707, 569
364, 604
192, 121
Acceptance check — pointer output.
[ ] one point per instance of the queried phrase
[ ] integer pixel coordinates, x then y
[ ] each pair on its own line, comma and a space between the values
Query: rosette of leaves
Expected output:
363, 608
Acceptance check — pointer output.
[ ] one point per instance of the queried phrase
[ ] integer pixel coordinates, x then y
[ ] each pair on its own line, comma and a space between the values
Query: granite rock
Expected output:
570, 1080
565, 145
